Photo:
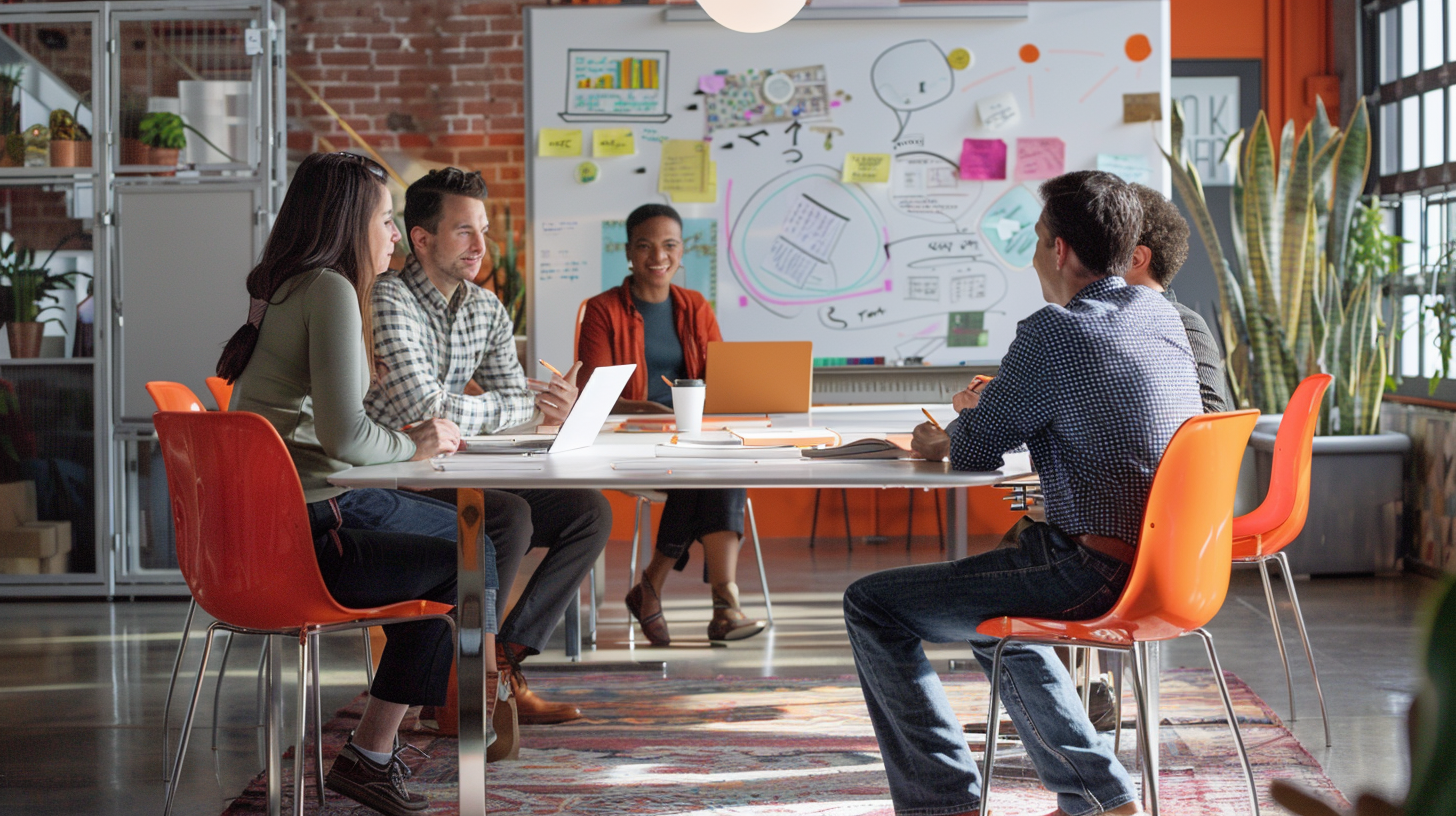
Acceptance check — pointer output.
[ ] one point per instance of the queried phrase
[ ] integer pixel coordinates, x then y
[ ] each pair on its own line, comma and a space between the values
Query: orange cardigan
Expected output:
611, 334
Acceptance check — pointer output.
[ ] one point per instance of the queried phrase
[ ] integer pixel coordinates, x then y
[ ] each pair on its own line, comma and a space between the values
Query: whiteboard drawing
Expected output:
927, 186
749, 98
616, 85
1009, 226
911, 76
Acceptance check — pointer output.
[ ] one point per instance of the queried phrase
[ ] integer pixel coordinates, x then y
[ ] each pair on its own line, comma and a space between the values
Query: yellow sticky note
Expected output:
709, 194
866, 168
684, 167
554, 142
613, 142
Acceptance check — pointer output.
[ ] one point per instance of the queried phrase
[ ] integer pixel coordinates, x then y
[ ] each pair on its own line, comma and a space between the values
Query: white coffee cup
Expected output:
687, 405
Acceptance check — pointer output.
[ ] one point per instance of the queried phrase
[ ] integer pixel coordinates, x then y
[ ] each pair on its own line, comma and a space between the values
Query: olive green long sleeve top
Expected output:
308, 376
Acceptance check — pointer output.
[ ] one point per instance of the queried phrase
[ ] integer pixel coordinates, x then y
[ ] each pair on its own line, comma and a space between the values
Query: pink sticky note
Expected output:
711, 83
983, 159
1040, 158
742, 301
834, 103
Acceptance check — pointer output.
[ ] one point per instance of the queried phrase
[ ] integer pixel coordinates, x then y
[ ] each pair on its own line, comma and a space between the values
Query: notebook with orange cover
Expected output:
799, 437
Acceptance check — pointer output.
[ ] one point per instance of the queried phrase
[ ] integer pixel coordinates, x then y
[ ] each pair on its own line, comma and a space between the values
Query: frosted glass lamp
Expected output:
751, 16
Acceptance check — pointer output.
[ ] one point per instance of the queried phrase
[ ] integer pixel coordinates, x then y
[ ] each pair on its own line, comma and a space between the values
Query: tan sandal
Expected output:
654, 626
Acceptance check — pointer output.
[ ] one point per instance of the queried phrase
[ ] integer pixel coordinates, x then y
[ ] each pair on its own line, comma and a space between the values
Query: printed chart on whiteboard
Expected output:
876, 194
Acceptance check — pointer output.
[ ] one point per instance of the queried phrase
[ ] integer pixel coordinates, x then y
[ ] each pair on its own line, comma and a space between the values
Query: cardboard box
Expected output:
17, 503
36, 539
55, 565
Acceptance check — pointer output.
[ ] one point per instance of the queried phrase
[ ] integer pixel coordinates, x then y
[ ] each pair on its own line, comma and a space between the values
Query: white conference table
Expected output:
626, 461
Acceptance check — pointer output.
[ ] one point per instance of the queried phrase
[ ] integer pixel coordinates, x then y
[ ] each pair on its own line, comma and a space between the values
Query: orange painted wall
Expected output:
1292, 37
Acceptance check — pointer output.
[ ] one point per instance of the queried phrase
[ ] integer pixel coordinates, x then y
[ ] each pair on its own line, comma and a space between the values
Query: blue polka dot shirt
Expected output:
1095, 391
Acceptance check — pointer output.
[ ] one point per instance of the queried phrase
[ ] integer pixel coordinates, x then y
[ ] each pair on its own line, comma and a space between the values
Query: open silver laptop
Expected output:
582, 424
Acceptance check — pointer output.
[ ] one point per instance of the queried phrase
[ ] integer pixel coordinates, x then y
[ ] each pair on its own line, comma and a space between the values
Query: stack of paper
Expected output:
798, 437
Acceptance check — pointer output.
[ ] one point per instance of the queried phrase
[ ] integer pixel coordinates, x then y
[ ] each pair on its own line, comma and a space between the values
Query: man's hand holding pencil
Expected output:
555, 398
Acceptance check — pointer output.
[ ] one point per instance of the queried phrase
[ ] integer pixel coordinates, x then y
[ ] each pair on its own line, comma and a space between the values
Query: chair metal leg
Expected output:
368, 657
572, 625
301, 738
1147, 731
1228, 707
1304, 637
1117, 705
643, 516
217, 689
814, 518
993, 720
591, 614
1086, 655
848, 536
318, 720
263, 691
172, 685
187, 722
1278, 634
758, 551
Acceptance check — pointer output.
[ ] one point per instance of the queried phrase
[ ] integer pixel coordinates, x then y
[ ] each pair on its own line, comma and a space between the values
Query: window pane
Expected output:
1390, 139
1410, 133
1435, 124
1433, 49
1410, 38
1410, 229
1435, 236
1389, 46
1410, 336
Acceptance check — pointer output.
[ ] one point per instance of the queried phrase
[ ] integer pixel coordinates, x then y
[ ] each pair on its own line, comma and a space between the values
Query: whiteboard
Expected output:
932, 263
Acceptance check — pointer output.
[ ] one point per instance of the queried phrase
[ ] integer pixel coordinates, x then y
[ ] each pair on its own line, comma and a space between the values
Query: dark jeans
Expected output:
689, 515
929, 766
377, 547
572, 526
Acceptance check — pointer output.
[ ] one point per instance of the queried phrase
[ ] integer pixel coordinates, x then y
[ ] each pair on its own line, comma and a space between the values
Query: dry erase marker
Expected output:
551, 368
932, 419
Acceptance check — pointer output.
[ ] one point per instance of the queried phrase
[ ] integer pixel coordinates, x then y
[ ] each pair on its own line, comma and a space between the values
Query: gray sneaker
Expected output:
377, 786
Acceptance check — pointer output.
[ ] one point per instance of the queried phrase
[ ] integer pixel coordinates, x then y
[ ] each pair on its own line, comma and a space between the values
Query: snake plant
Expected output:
1311, 266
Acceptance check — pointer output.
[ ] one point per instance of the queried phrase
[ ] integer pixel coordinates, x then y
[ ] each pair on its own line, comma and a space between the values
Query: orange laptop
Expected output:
759, 378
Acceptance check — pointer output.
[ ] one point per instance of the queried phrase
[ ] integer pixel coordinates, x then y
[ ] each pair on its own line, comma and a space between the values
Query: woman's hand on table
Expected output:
555, 397
930, 442
433, 437
626, 406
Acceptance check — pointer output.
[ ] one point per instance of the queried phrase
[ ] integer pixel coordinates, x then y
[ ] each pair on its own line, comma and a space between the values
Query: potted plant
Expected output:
129, 119
70, 141
164, 135
1305, 295
14, 154
24, 297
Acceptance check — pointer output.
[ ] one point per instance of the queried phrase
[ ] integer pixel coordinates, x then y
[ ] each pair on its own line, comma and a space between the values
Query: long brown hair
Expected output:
323, 223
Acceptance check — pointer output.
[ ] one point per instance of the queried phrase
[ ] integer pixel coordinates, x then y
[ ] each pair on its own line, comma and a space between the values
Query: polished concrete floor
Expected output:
82, 684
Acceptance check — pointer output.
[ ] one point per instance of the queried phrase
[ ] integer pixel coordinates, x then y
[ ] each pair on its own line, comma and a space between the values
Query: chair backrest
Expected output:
221, 392
172, 396
576, 338
243, 539
1279, 519
1181, 570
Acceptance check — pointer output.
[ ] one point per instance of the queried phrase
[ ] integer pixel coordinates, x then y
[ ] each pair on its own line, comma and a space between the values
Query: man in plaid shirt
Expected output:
436, 335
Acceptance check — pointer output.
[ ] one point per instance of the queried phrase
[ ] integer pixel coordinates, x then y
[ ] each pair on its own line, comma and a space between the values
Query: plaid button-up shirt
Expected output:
430, 349
1095, 390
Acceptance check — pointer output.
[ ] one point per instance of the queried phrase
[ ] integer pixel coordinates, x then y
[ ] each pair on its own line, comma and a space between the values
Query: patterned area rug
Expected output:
773, 747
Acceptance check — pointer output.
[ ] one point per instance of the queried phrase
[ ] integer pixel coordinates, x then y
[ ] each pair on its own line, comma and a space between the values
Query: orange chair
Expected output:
1178, 581
221, 391
246, 550
1262, 535
171, 396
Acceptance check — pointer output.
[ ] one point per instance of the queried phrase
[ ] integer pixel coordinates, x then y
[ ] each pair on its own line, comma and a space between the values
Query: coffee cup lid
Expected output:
686, 383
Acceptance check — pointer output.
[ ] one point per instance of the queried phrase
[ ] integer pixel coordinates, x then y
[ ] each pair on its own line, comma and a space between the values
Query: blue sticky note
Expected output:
1009, 226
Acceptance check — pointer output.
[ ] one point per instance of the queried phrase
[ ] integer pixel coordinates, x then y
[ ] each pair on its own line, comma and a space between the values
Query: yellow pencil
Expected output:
666, 380
932, 419
551, 368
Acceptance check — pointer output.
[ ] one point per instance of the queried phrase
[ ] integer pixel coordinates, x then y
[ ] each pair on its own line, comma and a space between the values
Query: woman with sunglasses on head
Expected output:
303, 363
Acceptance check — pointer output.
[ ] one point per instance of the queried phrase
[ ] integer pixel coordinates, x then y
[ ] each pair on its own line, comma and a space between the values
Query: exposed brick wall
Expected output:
37, 219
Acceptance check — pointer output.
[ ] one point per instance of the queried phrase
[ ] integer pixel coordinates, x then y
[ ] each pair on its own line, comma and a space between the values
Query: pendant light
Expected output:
751, 16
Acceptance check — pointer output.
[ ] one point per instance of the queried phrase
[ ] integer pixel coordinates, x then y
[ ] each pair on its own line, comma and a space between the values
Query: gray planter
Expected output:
1355, 501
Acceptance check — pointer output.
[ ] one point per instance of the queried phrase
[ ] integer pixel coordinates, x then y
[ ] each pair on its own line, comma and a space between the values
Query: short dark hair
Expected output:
1164, 232
424, 199
646, 213
1097, 214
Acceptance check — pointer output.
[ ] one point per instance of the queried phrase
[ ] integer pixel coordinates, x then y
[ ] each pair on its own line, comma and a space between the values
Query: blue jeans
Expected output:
929, 766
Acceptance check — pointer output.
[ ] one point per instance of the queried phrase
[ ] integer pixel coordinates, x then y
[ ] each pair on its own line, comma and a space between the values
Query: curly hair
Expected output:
1164, 232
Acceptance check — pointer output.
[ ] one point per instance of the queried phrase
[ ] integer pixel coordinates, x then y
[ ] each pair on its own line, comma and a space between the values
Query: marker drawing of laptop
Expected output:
582, 423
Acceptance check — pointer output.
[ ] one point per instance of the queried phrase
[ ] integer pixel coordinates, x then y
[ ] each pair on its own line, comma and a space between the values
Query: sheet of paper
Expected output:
999, 111
684, 167
866, 168
1142, 107
1130, 167
566, 250
557, 142
1040, 158
613, 142
983, 159
709, 194
712, 83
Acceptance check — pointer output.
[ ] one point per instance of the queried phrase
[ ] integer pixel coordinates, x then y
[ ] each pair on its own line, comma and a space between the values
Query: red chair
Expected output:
245, 548
1179, 578
171, 396
221, 391
1262, 535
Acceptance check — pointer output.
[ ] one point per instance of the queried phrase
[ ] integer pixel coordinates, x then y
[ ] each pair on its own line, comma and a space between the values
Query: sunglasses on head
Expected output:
369, 164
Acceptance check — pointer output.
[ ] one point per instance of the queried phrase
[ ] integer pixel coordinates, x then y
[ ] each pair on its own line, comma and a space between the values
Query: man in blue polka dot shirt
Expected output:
1094, 384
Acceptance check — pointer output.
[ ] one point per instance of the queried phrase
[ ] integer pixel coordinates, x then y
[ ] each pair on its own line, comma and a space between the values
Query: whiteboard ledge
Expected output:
1007, 10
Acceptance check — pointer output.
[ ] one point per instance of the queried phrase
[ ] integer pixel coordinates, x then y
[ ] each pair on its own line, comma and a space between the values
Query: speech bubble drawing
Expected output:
911, 76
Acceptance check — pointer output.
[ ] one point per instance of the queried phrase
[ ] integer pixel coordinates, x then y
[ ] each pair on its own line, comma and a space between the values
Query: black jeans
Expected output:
689, 515
377, 547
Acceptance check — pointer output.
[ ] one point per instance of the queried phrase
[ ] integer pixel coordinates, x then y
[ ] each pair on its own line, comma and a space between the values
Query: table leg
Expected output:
957, 510
470, 650
1152, 665
273, 740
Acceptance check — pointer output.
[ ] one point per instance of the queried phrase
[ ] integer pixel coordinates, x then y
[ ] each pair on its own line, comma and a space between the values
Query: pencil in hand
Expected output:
551, 368
932, 419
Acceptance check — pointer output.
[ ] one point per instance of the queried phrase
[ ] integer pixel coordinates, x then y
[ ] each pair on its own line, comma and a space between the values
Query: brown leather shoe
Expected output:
729, 622
654, 626
531, 709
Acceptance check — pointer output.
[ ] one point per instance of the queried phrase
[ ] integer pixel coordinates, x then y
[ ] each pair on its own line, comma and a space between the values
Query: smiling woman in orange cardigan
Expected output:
665, 330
